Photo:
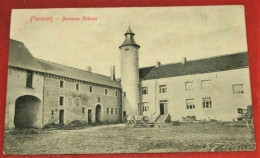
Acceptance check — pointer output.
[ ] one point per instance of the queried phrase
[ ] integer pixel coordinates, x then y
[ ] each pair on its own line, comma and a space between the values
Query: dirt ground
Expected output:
121, 139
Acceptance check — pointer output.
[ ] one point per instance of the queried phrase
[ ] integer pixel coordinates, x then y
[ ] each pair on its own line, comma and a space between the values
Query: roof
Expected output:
74, 73
20, 56
214, 64
129, 31
129, 40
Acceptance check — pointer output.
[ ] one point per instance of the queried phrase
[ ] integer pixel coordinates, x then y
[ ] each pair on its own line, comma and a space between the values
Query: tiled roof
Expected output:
74, 73
214, 64
20, 56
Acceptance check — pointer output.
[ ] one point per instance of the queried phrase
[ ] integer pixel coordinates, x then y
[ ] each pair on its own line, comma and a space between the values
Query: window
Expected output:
162, 88
61, 101
105, 91
124, 94
90, 88
112, 111
115, 111
145, 106
116, 93
29, 79
206, 102
127, 49
188, 86
144, 90
61, 84
205, 84
190, 104
108, 111
83, 110
241, 111
238, 89
77, 86
77, 101
52, 114
99, 99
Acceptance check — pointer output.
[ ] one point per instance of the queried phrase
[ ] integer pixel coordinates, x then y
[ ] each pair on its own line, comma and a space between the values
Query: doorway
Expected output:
61, 117
98, 113
90, 116
163, 107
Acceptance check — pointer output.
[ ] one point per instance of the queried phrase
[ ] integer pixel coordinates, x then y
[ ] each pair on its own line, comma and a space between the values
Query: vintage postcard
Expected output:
128, 80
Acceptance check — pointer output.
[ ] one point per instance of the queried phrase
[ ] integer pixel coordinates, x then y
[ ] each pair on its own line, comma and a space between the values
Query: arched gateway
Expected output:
27, 112
98, 113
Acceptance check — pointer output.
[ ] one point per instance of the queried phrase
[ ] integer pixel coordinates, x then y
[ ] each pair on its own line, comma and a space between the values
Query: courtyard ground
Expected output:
121, 139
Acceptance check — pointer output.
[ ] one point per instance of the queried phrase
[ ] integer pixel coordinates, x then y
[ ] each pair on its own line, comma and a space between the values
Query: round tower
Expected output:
130, 74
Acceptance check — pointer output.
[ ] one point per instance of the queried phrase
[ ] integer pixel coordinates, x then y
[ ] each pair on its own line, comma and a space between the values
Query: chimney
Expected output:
184, 60
112, 72
157, 64
88, 68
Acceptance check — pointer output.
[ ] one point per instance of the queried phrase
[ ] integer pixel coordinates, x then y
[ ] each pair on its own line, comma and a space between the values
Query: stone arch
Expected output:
27, 112
98, 111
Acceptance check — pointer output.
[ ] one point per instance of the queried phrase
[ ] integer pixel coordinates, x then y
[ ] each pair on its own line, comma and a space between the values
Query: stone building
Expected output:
212, 88
41, 92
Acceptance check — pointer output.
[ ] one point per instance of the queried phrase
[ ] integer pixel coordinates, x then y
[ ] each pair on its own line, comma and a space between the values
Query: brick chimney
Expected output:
112, 72
157, 64
183, 60
88, 68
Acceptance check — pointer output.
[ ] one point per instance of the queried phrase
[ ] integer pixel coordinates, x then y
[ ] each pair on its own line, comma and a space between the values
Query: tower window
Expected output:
90, 89
116, 93
126, 49
105, 91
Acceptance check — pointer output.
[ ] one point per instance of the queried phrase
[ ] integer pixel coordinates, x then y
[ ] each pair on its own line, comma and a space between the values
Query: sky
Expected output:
165, 34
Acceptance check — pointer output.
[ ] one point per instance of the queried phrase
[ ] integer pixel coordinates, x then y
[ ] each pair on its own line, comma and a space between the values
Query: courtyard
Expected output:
201, 137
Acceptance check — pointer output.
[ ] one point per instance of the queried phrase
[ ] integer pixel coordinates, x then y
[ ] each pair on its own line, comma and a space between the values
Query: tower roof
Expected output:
129, 38
129, 31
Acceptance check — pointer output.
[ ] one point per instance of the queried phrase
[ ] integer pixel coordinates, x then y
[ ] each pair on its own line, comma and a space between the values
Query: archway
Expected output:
98, 113
27, 112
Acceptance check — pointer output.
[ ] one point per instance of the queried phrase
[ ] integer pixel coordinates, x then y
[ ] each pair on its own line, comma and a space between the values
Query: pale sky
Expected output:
165, 34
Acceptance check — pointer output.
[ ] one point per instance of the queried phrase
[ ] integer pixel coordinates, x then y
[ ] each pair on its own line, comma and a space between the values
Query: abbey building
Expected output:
40, 92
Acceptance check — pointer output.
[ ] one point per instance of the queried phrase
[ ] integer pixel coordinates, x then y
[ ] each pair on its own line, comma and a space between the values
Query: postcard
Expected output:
128, 80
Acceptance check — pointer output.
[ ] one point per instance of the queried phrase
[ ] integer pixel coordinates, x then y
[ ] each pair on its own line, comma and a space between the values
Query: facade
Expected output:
40, 92
213, 88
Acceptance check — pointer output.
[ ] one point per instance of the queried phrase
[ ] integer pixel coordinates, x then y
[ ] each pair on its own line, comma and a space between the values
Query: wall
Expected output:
89, 100
224, 102
16, 87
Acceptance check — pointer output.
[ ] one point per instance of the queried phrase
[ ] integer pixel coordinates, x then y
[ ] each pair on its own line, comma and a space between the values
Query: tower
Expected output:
130, 74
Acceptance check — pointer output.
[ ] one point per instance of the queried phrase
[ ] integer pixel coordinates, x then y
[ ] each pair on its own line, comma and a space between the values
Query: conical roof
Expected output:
129, 31
129, 38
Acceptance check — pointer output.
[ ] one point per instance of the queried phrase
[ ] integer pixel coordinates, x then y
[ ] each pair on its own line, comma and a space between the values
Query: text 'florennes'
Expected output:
62, 19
